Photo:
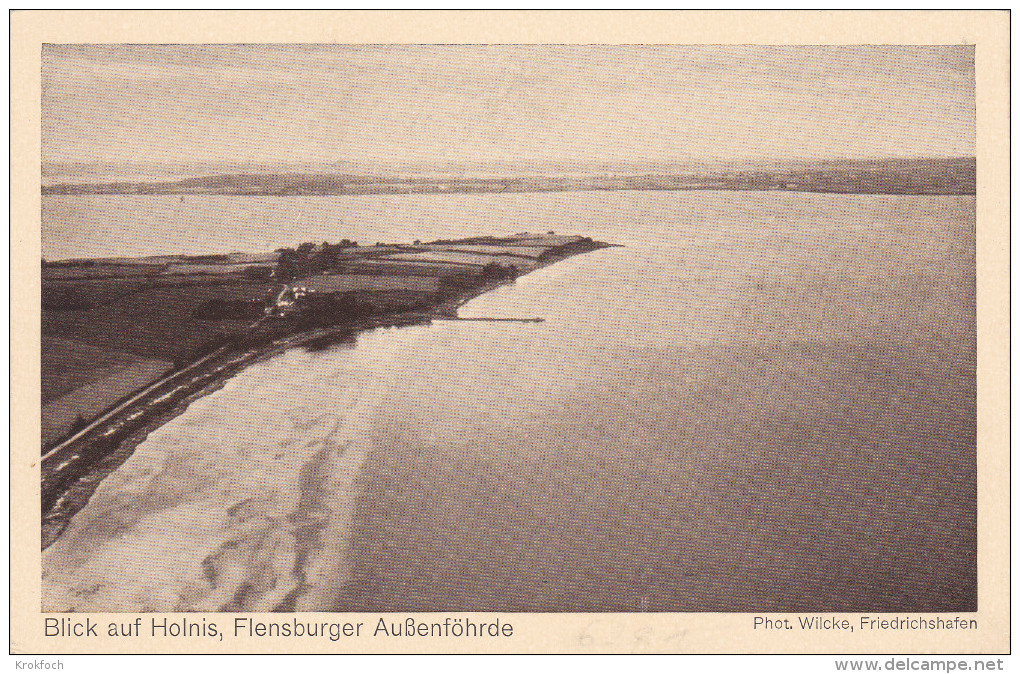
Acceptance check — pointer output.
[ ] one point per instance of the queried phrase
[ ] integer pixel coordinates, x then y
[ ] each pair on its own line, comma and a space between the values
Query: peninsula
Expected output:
128, 343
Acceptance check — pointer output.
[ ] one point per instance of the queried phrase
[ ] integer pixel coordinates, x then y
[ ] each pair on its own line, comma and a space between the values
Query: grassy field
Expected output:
391, 267
476, 259
89, 400
106, 337
252, 258
207, 268
156, 323
68, 364
334, 283
544, 240
100, 271
478, 249
79, 294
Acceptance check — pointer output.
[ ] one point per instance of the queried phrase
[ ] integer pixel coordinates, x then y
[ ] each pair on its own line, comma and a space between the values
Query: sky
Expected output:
564, 105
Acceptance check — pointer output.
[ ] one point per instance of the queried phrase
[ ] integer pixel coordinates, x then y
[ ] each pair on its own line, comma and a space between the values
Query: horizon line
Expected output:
381, 163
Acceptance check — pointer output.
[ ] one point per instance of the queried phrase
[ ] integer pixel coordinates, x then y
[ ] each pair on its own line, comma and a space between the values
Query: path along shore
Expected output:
71, 472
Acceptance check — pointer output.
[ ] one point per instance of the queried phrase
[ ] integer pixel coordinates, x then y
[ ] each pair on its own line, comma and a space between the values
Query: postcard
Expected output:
510, 332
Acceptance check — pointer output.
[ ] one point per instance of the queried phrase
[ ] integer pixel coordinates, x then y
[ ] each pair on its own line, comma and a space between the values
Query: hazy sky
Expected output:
323, 103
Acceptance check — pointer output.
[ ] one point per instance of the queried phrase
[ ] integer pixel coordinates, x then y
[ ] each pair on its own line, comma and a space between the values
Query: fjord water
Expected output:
761, 401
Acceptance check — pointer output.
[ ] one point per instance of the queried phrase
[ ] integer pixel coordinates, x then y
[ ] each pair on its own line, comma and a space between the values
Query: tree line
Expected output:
308, 259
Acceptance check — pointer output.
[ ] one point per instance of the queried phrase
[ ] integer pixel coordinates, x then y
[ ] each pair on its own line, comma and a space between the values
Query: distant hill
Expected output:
873, 176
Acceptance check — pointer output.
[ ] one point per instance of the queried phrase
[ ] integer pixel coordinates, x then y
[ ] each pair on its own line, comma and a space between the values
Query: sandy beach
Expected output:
215, 523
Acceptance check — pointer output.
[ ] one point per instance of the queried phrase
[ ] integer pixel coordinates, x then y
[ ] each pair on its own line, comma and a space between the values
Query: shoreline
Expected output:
71, 475
917, 175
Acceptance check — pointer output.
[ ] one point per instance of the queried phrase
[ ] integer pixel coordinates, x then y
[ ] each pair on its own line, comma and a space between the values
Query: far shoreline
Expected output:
907, 176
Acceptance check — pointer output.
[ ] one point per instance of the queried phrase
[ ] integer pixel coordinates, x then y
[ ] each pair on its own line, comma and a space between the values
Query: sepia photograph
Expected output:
497, 329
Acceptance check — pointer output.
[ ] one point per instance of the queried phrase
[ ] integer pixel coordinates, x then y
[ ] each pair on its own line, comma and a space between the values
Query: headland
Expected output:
129, 343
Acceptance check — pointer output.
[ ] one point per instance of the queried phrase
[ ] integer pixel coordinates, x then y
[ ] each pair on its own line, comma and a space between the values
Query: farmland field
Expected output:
392, 267
101, 271
479, 249
89, 293
478, 259
152, 260
252, 258
155, 322
333, 283
213, 268
92, 398
105, 338
69, 364
549, 240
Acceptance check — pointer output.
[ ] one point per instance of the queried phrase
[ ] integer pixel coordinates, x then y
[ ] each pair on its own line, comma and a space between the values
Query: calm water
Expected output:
763, 401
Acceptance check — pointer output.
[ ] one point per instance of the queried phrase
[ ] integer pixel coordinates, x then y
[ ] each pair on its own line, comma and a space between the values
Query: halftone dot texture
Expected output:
509, 105
762, 402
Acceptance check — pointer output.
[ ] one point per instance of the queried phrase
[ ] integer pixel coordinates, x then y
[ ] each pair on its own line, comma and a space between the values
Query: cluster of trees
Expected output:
319, 310
326, 309
308, 259
495, 271
79, 423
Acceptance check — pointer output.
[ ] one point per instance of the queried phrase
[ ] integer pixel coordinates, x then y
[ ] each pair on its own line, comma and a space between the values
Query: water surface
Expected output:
763, 401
